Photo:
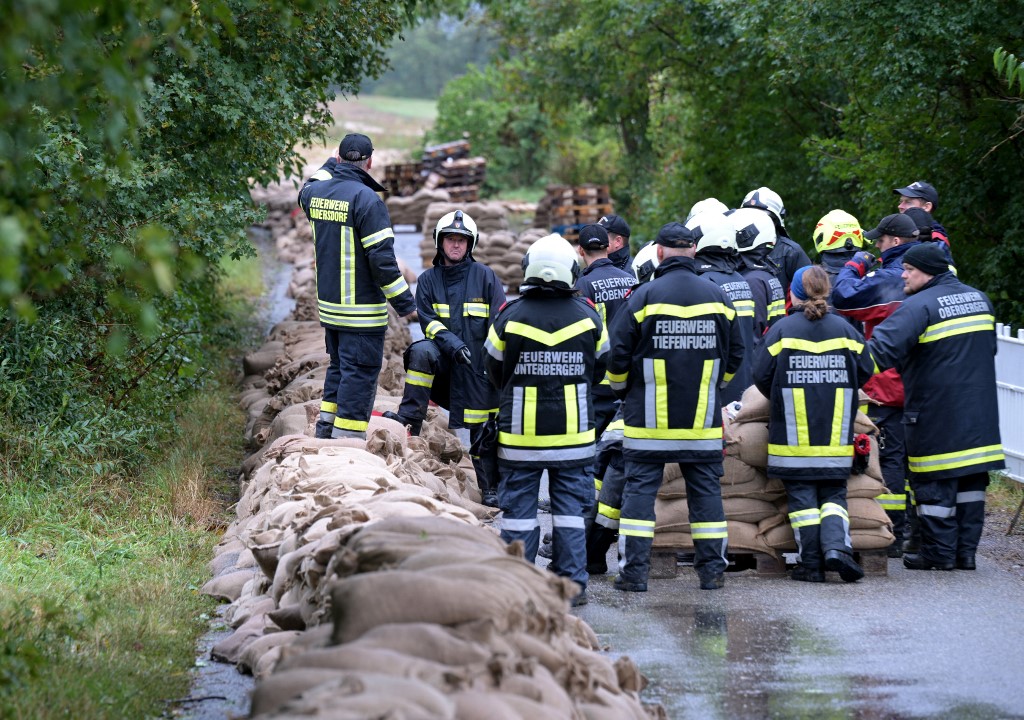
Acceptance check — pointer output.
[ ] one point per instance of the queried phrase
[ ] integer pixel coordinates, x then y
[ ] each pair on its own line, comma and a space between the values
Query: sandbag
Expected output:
875, 538
755, 407
750, 444
866, 513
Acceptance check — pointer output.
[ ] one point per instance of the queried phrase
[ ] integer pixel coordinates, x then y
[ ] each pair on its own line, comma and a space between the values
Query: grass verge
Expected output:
99, 575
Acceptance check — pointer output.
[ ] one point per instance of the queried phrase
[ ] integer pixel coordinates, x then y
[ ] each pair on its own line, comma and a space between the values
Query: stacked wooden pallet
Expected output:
565, 209
403, 179
436, 155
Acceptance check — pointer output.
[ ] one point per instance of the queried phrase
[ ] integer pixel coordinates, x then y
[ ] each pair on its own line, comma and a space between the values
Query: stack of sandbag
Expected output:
411, 210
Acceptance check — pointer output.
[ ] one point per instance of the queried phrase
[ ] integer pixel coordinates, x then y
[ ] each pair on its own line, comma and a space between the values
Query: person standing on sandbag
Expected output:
942, 341
546, 351
456, 302
810, 366
674, 345
356, 276
755, 239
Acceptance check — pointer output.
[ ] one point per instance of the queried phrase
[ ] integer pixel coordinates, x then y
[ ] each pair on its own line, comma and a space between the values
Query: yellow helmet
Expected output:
838, 231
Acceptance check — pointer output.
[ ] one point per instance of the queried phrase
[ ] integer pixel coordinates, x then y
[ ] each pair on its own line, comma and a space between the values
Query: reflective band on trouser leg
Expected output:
414, 377
802, 521
936, 512
892, 502
835, 527
349, 428
328, 411
970, 513
607, 516
636, 528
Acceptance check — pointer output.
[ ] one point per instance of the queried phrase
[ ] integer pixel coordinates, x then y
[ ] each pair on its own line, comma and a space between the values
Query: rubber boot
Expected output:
912, 545
599, 540
323, 430
414, 425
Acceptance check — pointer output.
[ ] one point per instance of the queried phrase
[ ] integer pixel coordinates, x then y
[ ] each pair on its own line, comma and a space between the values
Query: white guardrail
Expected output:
1010, 381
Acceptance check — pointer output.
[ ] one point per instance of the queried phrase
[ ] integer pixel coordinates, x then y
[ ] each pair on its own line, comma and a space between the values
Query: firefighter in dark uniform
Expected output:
456, 301
942, 341
546, 351
673, 346
755, 239
810, 366
923, 195
356, 276
717, 259
837, 238
786, 256
869, 293
618, 240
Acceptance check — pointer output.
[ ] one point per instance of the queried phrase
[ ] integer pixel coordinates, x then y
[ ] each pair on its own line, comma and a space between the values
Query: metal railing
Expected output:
1010, 384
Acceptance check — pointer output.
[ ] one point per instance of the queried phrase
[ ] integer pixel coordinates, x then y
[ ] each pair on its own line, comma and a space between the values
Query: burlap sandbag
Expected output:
748, 510
737, 472
750, 444
260, 646
744, 536
362, 655
866, 513
428, 641
671, 515
668, 540
875, 538
864, 486
273, 692
779, 536
229, 585
755, 407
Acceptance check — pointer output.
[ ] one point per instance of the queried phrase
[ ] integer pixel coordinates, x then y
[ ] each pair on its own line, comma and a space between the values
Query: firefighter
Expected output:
610, 475
810, 366
618, 240
921, 194
755, 240
868, 291
787, 255
546, 350
356, 276
717, 259
456, 301
837, 238
942, 341
673, 346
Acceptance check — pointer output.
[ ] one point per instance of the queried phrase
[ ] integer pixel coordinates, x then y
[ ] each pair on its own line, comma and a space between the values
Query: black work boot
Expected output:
323, 430
844, 564
912, 544
599, 540
802, 573
413, 425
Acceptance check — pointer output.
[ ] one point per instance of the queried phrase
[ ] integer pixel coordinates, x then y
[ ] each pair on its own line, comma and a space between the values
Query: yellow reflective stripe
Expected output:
728, 377
838, 414
636, 528
433, 328
660, 394
684, 311
377, 237
960, 458
553, 338
602, 342
709, 530
493, 339
608, 511
546, 441
810, 450
776, 309
830, 509
572, 407
530, 411
810, 346
642, 433
803, 518
744, 308
891, 501
958, 326
344, 424
343, 319
328, 407
617, 377
619, 424
442, 310
476, 414
800, 411
598, 484
395, 288
413, 377
702, 398
476, 309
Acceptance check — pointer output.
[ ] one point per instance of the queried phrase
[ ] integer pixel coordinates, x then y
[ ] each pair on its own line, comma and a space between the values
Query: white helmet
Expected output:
753, 229
714, 230
551, 262
456, 223
645, 262
707, 205
767, 199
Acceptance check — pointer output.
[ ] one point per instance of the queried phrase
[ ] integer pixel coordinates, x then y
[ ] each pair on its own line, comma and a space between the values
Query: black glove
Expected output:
462, 356
862, 262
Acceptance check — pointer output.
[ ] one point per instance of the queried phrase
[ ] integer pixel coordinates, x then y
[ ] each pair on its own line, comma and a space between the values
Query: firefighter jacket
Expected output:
672, 347
606, 286
621, 258
769, 296
788, 257
546, 350
721, 269
942, 341
456, 305
871, 299
811, 371
356, 270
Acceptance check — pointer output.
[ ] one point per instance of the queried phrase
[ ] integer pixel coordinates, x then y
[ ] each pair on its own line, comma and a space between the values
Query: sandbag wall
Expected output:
364, 582
755, 506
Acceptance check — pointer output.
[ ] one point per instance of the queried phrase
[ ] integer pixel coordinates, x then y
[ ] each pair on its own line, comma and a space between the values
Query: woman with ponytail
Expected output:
810, 366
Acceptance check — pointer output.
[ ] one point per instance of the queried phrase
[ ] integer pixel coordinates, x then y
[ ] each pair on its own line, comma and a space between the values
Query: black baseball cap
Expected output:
920, 189
614, 224
355, 147
593, 237
896, 224
676, 235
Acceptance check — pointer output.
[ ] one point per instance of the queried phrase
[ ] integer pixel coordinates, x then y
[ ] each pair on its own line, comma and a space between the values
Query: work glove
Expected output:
462, 356
862, 262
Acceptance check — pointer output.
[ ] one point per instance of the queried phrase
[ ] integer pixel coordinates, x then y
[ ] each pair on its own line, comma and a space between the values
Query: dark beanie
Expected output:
928, 258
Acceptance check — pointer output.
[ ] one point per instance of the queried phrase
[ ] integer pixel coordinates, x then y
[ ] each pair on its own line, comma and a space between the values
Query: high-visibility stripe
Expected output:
667, 445
572, 408
969, 497
414, 377
380, 235
803, 518
617, 380
803, 451
958, 459
707, 404
434, 327
517, 410
582, 406
605, 521
346, 424
608, 511
636, 528
714, 433
358, 321
442, 310
550, 339
555, 454
800, 411
684, 311
709, 530
348, 264
744, 308
354, 308
328, 407
494, 345
817, 348
321, 174
598, 484
519, 525
476, 416
958, 326
841, 417
776, 308
602, 342
396, 288
472, 309
567, 521
545, 441
892, 502
655, 393
834, 509
529, 411
937, 511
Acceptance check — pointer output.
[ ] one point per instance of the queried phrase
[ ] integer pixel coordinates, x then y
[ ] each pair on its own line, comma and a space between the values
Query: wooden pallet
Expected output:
664, 563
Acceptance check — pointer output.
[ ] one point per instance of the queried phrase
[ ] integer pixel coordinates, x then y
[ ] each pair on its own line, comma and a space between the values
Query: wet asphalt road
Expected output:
907, 645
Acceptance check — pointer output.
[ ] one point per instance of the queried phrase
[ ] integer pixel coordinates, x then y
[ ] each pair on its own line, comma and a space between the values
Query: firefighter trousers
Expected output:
350, 386
819, 517
568, 488
892, 456
707, 518
951, 513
